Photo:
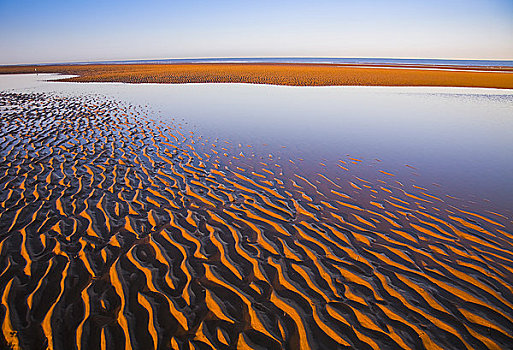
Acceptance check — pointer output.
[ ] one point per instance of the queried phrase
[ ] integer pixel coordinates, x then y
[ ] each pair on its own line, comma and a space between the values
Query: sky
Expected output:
70, 30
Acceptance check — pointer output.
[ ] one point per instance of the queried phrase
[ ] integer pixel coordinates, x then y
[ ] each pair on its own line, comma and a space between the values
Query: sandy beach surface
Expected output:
119, 231
282, 74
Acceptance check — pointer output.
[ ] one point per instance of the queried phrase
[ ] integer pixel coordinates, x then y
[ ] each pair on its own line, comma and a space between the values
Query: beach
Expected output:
126, 230
282, 74
256, 175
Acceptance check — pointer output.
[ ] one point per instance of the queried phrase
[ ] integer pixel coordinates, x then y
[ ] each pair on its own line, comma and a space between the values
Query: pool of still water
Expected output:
453, 141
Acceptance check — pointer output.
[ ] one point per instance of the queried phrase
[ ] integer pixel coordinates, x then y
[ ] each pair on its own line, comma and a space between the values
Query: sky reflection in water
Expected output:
458, 138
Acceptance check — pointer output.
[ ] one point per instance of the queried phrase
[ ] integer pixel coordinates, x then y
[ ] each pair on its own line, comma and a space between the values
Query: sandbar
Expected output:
281, 74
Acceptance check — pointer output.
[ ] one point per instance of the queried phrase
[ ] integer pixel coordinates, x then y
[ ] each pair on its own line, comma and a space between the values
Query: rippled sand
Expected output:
120, 232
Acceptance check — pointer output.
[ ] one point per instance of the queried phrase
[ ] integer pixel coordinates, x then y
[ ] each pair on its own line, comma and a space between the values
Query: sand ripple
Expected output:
120, 232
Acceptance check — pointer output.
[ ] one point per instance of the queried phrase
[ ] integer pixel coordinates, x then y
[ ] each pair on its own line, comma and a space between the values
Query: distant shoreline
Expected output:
292, 74
378, 61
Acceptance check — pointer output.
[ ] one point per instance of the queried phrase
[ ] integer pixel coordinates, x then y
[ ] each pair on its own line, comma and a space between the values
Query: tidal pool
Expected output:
457, 138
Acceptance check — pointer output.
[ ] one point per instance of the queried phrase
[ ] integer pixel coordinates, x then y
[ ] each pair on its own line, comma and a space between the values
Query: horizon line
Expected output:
253, 57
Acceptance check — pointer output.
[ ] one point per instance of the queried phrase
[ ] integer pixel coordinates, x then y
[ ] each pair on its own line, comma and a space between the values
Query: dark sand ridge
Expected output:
121, 232
282, 74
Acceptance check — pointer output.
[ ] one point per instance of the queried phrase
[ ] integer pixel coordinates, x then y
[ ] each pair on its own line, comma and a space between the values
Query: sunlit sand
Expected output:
283, 74
120, 231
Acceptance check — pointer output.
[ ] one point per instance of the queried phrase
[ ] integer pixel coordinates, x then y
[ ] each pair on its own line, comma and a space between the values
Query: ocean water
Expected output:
321, 60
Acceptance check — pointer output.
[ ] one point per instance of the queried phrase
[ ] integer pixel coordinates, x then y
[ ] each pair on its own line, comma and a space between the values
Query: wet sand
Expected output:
282, 74
120, 232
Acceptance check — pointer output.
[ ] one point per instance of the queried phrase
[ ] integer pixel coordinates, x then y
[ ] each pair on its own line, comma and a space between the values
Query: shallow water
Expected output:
458, 138
260, 216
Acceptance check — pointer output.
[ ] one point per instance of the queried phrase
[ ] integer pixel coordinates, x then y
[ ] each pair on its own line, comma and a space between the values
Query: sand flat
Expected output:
283, 74
122, 230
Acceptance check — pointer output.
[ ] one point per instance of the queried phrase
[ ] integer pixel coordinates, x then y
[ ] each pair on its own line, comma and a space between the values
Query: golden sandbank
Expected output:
282, 74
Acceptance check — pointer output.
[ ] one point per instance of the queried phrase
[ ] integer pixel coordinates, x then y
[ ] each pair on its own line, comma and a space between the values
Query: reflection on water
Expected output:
232, 216
457, 138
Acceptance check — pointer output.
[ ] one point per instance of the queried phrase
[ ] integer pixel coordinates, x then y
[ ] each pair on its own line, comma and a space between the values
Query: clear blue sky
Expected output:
64, 31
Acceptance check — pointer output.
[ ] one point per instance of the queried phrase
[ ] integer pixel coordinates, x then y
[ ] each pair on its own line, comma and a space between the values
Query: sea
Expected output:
317, 60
